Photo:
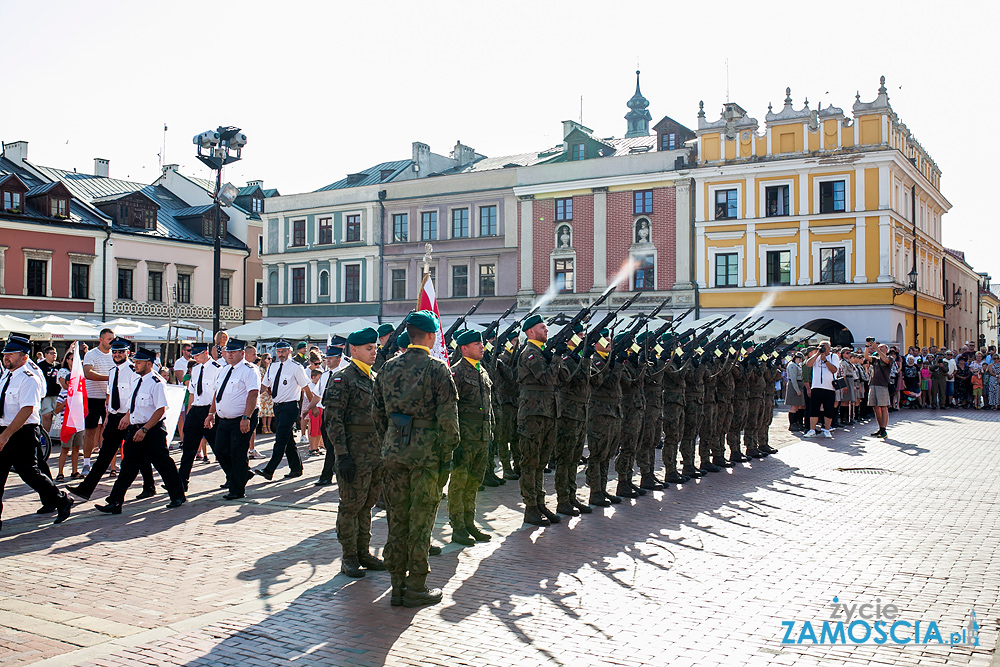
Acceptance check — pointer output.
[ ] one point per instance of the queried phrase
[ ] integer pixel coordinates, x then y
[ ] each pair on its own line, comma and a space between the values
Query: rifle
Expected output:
450, 333
595, 332
625, 342
583, 316
491, 330
391, 345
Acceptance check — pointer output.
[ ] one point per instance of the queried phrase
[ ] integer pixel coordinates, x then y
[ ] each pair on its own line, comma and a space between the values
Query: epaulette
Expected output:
28, 373
216, 363
156, 378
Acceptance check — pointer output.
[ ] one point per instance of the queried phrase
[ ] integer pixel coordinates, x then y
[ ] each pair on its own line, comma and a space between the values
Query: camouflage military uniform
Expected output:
755, 408
347, 420
709, 425
475, 421
380, 359
673, 414
537, 411
652, 420
724, 388
741, 397
771, 376
603, 423
694, 403
633, 406
574, 394
418, 385
505, 414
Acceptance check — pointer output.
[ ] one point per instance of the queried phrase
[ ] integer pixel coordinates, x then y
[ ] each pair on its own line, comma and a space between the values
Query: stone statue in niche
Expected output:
642, 231
564, 238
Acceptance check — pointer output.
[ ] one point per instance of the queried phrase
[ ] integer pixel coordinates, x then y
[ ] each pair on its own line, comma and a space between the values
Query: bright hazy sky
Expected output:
326, 88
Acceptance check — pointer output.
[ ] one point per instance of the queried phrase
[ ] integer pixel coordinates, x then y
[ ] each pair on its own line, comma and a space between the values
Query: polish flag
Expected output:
76, 399
427, 300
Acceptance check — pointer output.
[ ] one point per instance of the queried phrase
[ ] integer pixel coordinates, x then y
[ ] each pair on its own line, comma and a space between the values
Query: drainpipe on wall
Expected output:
913, 214
381, 252
693, 262
245, 285
104, 273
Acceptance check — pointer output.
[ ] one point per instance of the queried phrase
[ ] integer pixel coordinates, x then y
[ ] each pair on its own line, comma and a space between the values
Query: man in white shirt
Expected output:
822, 395
286, 381
204, 372
97, 365
181, 365
234, 414
145, 435
20, 399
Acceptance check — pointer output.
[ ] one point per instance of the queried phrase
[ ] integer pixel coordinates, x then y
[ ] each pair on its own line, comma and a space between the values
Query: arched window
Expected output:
564, 237
643, 231
324, 283
272, 287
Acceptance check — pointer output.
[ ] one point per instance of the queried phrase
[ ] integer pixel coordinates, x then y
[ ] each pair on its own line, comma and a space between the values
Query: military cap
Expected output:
468, 337
512, 335
577, 328
641, 337
120, 344
619, 336
338, 340
605, 332
235, 345
18, 342
385, 329
198, 348
281, 344
531, 321
334, 350
403, 340
425, 320
143, 354
301, 346
747, 344
363, 337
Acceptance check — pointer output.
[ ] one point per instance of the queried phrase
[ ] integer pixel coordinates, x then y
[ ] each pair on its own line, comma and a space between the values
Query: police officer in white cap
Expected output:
20, 399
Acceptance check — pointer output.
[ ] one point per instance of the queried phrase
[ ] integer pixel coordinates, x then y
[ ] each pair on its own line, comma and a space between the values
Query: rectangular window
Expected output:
564, 276
298, 233
149, 217
564, 209
154, 287
428, 226
11, 201
488, 221
644, 277
299, 285
352, 283
727, 267
400, 223
259, 293
832, 265
125, 284
58, 207
37, 277
257, 205
353, 229
725, 204
487, 280
325, 231
223, 291
398, 284
460, 281
779, 267
642, 201
668, 141
460, 223
832, 197
579, 152
80, 281
260, 245
183, 288
776, 201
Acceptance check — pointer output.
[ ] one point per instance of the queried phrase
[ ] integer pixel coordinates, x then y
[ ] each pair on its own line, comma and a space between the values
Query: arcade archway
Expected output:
832, 329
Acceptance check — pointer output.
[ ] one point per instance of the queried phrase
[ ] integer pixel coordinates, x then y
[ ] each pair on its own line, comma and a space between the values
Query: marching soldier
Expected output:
475, 421
602, 426
537, 410
234, 414
203, 372
416, 414
574, 395
145, 436
348, 405
20, 400
286, 381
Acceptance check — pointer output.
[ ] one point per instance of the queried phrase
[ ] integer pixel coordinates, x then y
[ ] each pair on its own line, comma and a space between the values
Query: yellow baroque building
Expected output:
827, 215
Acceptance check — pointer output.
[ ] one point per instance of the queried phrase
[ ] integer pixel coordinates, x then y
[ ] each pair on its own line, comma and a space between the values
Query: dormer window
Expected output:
12, 202
59, 207
257, 205
579, 152
668, 141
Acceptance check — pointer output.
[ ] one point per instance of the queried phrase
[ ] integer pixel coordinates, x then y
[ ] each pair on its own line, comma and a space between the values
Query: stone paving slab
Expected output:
701, 574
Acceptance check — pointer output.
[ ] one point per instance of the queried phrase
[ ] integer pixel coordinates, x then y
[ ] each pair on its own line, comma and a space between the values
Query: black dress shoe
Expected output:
599, 501
234, 496
75, 490
419, 598
370, 562
176, 502
323, 482
110, 508
146, 493
64, 508
263, 473
46, 509
549, 514
293, 473
584, 508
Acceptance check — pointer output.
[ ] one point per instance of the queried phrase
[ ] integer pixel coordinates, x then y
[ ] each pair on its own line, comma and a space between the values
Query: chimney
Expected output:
16, 151
254, 184
421, 158
101, 167
463, 155
170, 168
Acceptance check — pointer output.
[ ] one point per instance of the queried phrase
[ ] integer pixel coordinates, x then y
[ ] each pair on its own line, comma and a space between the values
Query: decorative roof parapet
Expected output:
733, 119
881, 102
788, 113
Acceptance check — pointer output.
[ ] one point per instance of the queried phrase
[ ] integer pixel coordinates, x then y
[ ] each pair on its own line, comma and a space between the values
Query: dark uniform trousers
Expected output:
538, 440
111, 441
286, 415
652, 431
602, 440
673, 431
354, 513
232, 447
693, 410
411, 496
723, 418
19, 454
508, 448
706, 431
152, 450
569, 450
631, 433
755, 407
736, 424
194, 431
466, 476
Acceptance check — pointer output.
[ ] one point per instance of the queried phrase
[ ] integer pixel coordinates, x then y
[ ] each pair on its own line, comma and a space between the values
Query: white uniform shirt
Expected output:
23, 390
324, 379
102, 363
208, 375
126, 377
293, 378
151, 397
243, 379
37, 372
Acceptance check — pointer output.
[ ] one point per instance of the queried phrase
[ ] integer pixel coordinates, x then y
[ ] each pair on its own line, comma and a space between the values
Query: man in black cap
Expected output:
20, 399
203, 372
234, 414
348, 422
334, 353
286, 381
120, 379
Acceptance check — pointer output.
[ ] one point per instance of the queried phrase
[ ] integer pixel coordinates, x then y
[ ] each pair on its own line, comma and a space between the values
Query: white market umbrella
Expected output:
50, 319
9, 323
258, 330
350, 326
72, 331
305, 329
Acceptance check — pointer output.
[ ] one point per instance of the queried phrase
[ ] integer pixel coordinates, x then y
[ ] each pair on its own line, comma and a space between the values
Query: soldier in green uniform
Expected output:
574, 394
712, 421
706, 429
674, 388
475, 421
505, 396
633, 407
652, 421
350, 427
694, 404
755, 408
538, 372
416, 414
384, 331
741, 399
771, 375
724, 390
603, 428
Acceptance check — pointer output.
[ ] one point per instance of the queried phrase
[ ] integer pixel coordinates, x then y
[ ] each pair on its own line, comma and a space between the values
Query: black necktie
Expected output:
222, 388
3, 392
116, 399
135, 395
277, 376
200, 376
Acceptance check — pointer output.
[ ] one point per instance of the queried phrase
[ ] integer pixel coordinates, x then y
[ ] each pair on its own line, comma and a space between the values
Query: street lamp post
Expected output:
956, 299
217, 148
912, 285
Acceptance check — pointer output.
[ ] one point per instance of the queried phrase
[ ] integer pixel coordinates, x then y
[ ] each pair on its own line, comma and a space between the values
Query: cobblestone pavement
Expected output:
700, 575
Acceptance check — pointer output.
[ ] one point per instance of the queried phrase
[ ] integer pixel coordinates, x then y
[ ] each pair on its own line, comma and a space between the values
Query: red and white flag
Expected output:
76, 399
427, 300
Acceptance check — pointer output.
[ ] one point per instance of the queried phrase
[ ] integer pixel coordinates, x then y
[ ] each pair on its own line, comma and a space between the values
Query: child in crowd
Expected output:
315, 415
71, 448
977, 390
925, 384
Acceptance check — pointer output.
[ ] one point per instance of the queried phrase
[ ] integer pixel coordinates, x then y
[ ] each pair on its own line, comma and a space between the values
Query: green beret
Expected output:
403, 340
747, 345
531, 321
468, 336
425, 320
619, 336
577, 328
512, 335
385, 329
363, 337
605, 332
641, 337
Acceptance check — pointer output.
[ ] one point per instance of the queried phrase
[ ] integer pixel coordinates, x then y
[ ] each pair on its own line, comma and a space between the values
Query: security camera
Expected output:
238, 141
207, 139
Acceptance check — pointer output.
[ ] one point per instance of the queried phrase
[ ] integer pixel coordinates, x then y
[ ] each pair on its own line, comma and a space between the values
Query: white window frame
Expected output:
398, 266
474, 265
319, 283
451, 222
260, 245
392, 226
420, 221
553, 258
82, 258
762, 250
740, 251
42, 255
291, 232
762, 198
846, 178
712, 189
3, 267
263, 292
848, 247
290, 268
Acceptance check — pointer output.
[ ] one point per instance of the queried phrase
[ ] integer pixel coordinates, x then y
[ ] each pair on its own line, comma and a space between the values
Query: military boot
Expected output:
755, 454
460, 534
582, 507
351, 567
474, 532
721, 462
490, 478
549, 514
398, 587
768, 449
418, 597
648, 481
614, 500
625, 490
598, 500
533, 516
638, 489
708, 466
675, 477
568, 509
369, 562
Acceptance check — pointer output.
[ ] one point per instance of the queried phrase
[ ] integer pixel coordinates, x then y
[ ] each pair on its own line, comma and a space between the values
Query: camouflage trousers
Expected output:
466, 476
652, 429
411, 498
764, 424
505, 437
723, 418
354, 512
602, 439
569, 450
706, 432
538, 441
755, 406
673, 431
693, 410
631, 434
736, 424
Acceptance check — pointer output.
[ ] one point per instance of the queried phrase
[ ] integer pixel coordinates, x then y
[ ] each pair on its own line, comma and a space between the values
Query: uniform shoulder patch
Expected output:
337, 378
28, 373
156, 378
